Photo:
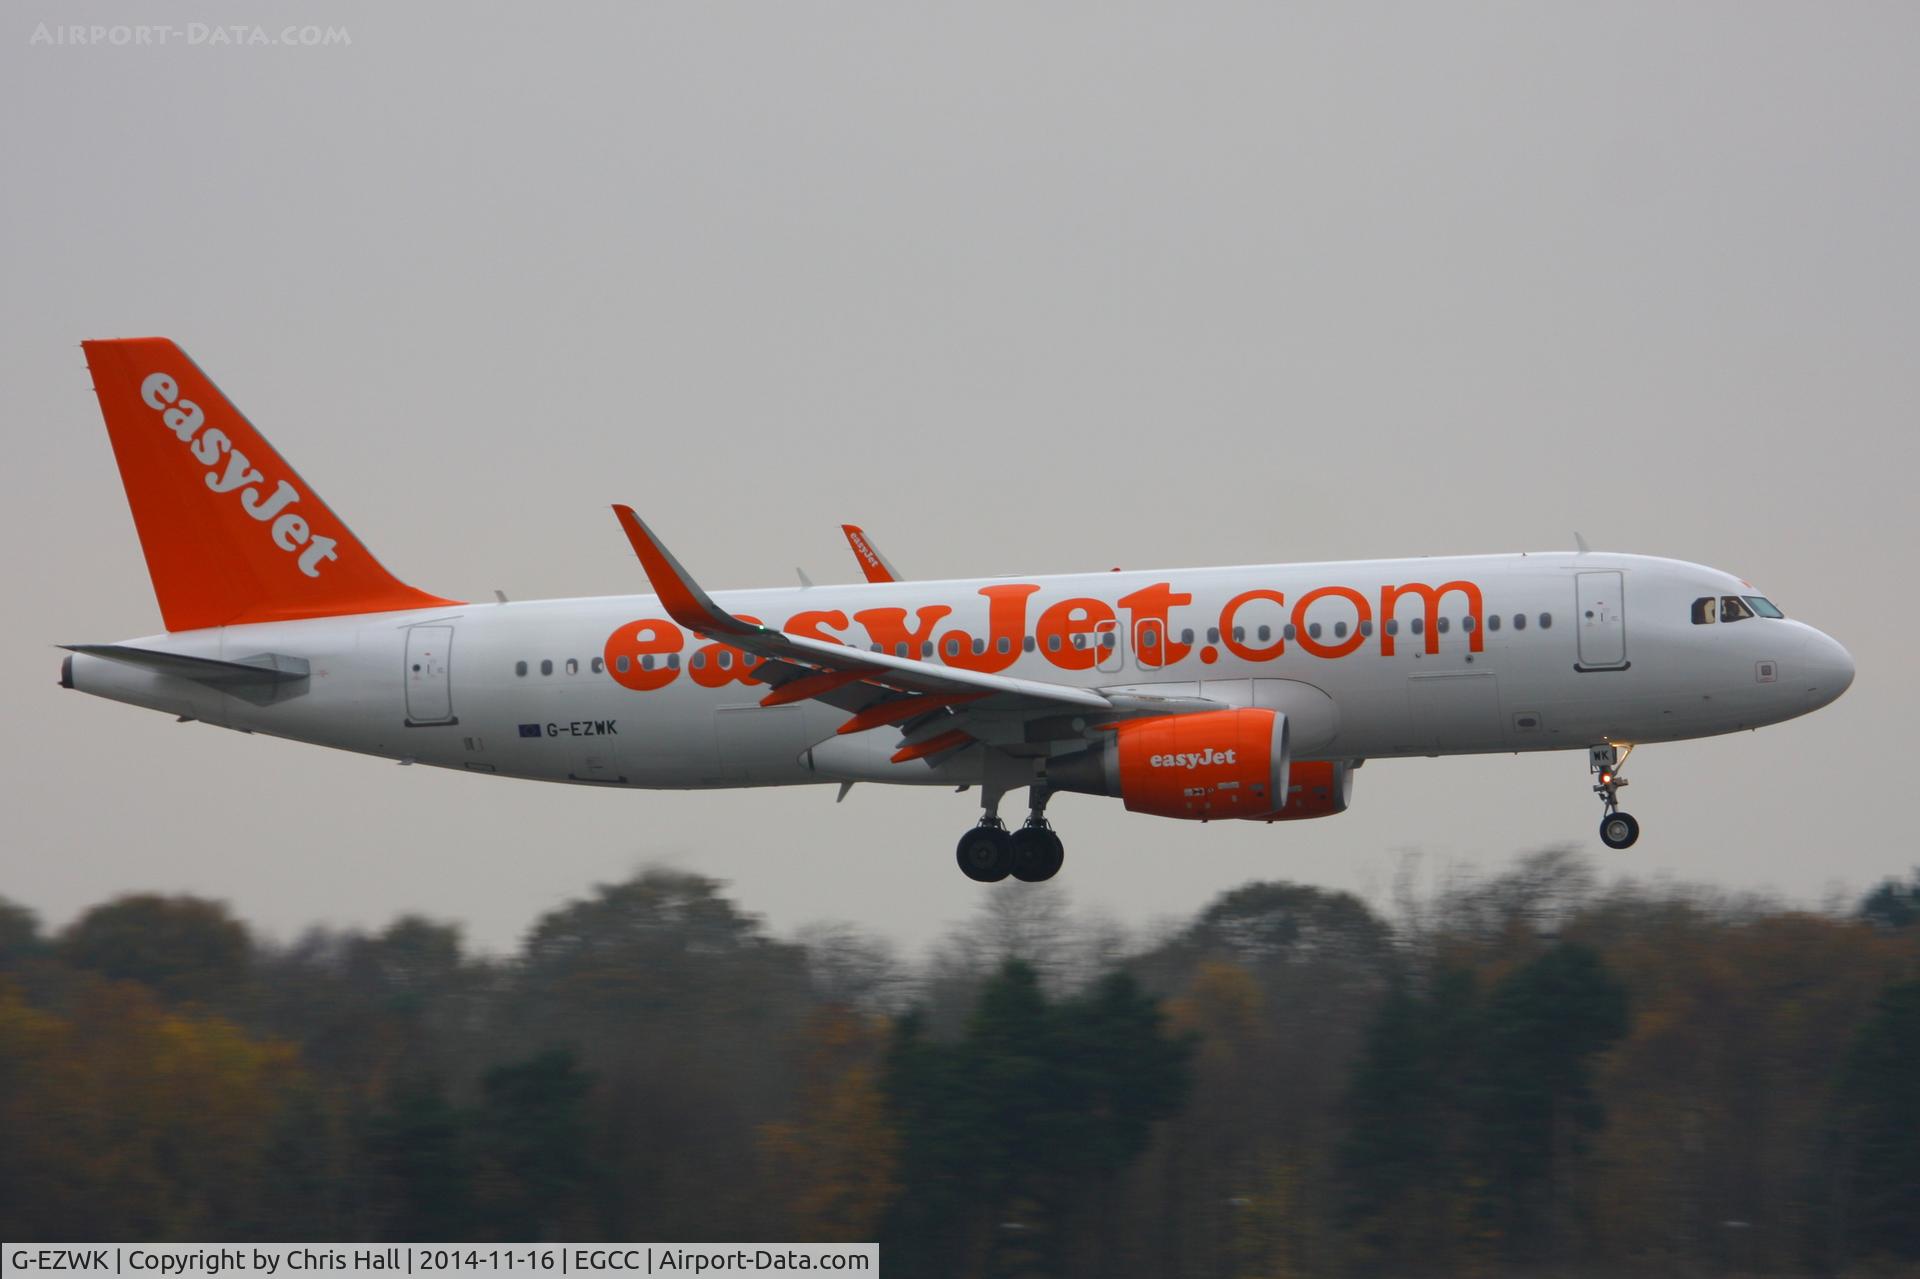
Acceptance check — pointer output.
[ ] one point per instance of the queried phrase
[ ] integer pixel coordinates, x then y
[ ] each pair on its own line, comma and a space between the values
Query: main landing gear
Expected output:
989, 852
1617, 829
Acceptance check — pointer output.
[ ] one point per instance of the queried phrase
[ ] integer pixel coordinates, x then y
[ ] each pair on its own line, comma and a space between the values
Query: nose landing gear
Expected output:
1617, 829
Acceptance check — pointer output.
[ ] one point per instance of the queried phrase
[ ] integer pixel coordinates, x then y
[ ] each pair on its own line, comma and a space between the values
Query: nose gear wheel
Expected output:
1617, 829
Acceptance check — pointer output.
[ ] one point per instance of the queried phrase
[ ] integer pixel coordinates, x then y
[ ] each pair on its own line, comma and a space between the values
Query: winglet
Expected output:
688, 605
872, 562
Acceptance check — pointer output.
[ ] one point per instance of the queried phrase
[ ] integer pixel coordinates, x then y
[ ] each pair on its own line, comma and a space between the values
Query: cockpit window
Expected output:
1703, 610
1764, 607
1734, 609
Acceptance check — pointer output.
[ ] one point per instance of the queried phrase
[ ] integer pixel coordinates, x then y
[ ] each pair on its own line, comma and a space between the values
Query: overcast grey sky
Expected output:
1022, 288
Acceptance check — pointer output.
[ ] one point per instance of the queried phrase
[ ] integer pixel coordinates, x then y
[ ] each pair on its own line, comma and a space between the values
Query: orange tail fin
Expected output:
231, 532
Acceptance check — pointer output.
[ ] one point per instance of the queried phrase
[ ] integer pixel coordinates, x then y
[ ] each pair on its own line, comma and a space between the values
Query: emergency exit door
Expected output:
1600, 611
429, 675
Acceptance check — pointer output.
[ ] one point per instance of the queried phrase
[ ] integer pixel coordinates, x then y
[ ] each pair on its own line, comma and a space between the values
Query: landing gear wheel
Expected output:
1619, 830
985, 854
1037, 853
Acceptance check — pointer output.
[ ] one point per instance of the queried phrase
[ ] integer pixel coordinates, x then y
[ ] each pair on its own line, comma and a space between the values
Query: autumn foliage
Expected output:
1526, 1073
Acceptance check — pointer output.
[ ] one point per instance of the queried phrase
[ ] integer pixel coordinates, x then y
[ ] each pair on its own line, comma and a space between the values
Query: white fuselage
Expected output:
1604, 651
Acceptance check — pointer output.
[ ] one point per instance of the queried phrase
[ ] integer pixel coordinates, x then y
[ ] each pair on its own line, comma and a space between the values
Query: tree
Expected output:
1893, 905
1408, 1162
19, 934
1008, 1131
531, 1136
1881, 1096
186, 948
834, 1166
128, 1119
421, 1147
1543, 1026
684, 1008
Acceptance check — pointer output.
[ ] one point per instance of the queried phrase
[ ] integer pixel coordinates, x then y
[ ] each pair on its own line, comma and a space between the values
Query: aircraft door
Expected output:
1149, 637
1600, 611
429, 675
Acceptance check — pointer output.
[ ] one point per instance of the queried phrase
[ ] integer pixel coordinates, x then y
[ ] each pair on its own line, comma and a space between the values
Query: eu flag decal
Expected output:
529, 730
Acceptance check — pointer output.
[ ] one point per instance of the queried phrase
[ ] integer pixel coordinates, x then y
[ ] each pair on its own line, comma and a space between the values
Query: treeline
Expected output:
1523, 1074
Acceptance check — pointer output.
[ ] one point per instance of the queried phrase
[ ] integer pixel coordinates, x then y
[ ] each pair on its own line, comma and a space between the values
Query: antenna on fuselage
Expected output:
1580, 543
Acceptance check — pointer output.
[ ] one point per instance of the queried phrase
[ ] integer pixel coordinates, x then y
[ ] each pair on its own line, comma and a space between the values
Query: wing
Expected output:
938, 708
875, 565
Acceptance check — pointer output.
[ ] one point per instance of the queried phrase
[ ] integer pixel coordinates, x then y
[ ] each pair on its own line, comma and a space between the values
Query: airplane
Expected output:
1249, 693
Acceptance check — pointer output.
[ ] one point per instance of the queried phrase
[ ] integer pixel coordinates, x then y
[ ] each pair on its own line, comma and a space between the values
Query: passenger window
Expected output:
1053, 643
546, 666
1546, 620
1289, 632
623, 663
1186, 636
1213, 635
902, 649
952, 646
1418, 625
1003, 645
1149, 637
1493, 623
700, 661
1313, 630
599, 666
1339, 630
1703, 610
1240, 634
1026, 643
724, 659
1444, 624
1734, 609
1393, 626
519, 668
1519, 621
573, 666
1366, 627
979, 647
646, 663
1107, 639
673, 661
926, 648
1265, 633
1467, 623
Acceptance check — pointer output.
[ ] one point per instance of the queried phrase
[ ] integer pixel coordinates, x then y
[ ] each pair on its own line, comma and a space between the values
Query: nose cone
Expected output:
1825, 669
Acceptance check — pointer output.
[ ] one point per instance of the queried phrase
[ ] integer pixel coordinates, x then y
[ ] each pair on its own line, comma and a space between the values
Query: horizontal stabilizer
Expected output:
260, 679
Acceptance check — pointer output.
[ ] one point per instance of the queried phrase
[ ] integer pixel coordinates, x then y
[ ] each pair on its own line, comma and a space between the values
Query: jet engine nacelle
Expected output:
1315, 788
1202, 767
